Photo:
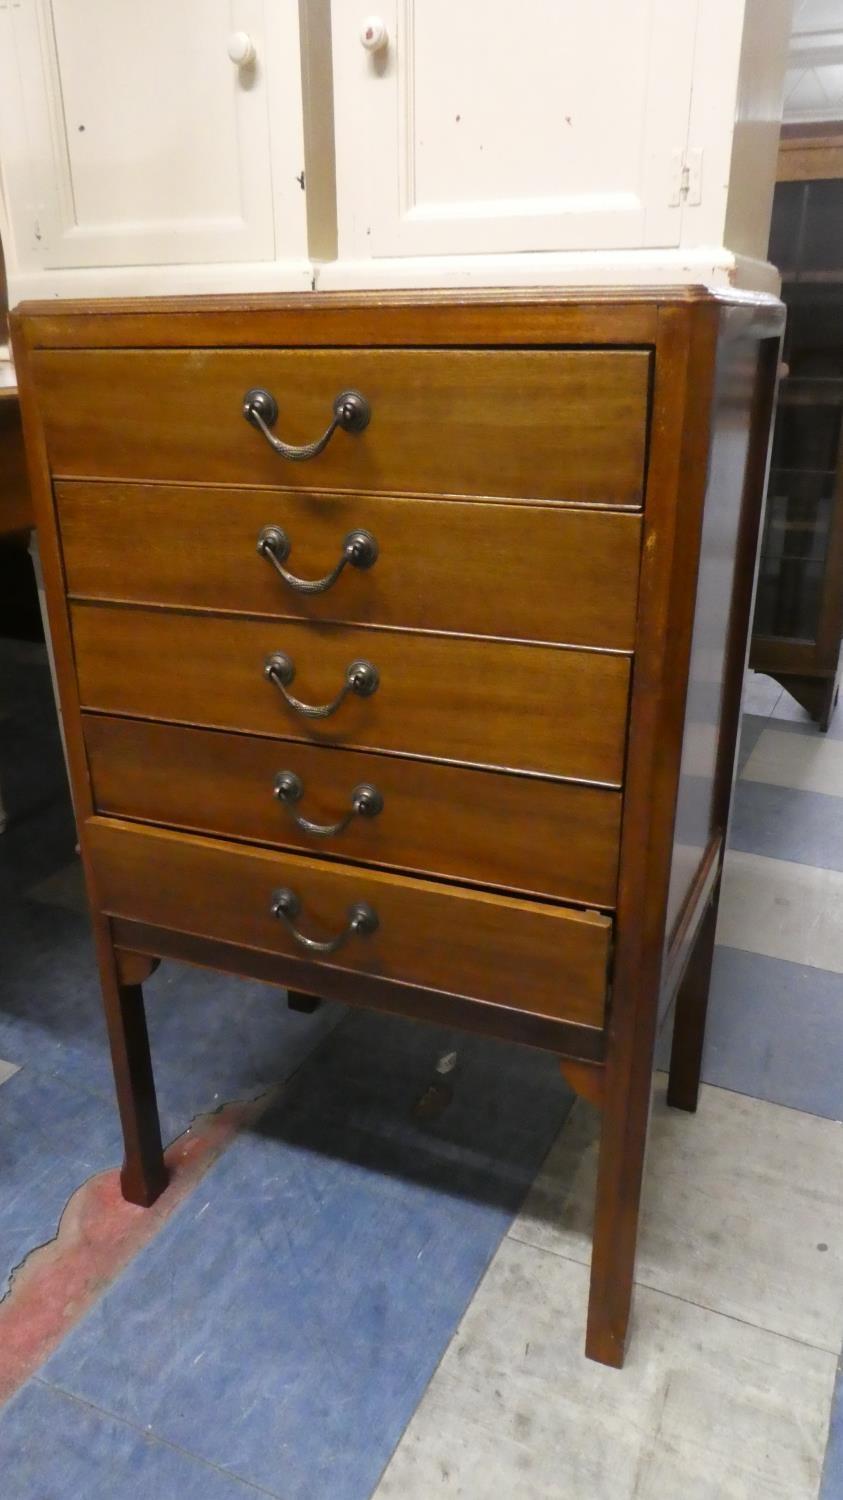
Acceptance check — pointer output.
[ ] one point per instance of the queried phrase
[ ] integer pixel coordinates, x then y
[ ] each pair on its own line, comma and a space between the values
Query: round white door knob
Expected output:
373, 34
241, 48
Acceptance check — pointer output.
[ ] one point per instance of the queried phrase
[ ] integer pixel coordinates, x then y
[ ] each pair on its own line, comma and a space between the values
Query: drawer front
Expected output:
539, 837
535, 708
529, 573
550, 961
563, 425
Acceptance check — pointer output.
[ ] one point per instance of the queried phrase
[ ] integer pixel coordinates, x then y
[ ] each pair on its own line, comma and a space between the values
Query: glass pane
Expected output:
790, 579
814, 332
784, 229
808, 424
822, 248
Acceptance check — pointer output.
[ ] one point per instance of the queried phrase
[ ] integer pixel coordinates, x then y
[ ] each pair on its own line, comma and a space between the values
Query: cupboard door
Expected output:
146, 143
548, 125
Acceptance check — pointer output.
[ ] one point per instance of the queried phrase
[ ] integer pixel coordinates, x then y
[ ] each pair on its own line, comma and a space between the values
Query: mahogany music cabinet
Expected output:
400, 642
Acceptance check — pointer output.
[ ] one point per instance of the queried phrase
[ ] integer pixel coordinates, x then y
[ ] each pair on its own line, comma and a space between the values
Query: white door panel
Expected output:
149, 145
543, 125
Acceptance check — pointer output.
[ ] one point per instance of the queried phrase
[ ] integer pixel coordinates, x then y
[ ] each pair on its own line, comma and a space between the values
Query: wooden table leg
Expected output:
623, 1138
626, 1112
691, 1008
143, 1176
307, 1004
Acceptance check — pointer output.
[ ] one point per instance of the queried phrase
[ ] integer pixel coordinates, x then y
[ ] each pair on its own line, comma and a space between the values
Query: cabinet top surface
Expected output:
617, 316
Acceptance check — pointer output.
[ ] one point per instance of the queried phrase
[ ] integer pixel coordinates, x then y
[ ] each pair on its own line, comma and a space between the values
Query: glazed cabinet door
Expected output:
547, 125
139, 134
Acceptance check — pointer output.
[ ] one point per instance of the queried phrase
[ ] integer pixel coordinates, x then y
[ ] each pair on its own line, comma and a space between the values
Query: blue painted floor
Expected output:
280, 1331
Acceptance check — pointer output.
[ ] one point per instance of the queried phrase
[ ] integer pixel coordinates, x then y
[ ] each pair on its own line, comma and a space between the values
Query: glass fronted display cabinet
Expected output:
799, 606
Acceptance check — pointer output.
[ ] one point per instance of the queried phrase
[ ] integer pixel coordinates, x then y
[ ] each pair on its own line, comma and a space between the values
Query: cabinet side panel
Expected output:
757, 124
728, 550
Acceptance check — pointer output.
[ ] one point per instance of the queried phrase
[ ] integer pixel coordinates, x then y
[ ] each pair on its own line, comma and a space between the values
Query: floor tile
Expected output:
706, 1408
743, 1211
783, 909
776, 821
55, 1448
760, 694
809, 764
7, 1070
289, 1317
775, 1032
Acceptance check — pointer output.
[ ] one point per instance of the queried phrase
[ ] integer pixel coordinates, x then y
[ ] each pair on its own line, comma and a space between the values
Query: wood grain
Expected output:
143, 1174
506, 1023
704, 354
682, 404
528, 573
547, 960
359, 320
562, 425
531, 708
522, 970
540, 837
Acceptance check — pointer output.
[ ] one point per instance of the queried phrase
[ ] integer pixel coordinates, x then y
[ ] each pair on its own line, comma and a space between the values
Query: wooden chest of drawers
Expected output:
400, 645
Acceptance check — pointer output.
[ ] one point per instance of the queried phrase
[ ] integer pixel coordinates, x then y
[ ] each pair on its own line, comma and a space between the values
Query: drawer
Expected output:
531, 573
541, 837
525, 707
550, 961
525, 424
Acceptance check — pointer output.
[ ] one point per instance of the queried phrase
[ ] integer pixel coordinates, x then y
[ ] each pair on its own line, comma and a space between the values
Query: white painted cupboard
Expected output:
457, 138
239, 145
138, 138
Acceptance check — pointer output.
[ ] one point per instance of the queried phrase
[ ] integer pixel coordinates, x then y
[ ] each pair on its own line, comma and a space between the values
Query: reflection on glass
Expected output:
799, 510
793, 560
823, 243
786, 229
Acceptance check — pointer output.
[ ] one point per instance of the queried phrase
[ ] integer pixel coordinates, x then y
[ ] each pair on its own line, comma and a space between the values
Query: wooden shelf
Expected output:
811, 390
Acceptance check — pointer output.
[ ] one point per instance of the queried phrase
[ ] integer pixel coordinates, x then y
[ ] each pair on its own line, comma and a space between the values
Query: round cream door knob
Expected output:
241, 48
373, 34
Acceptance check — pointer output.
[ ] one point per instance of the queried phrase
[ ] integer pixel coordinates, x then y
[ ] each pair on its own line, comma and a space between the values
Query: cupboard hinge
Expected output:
685, 178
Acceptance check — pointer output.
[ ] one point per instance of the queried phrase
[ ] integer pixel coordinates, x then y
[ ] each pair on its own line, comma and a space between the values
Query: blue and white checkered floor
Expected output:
359, 1299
